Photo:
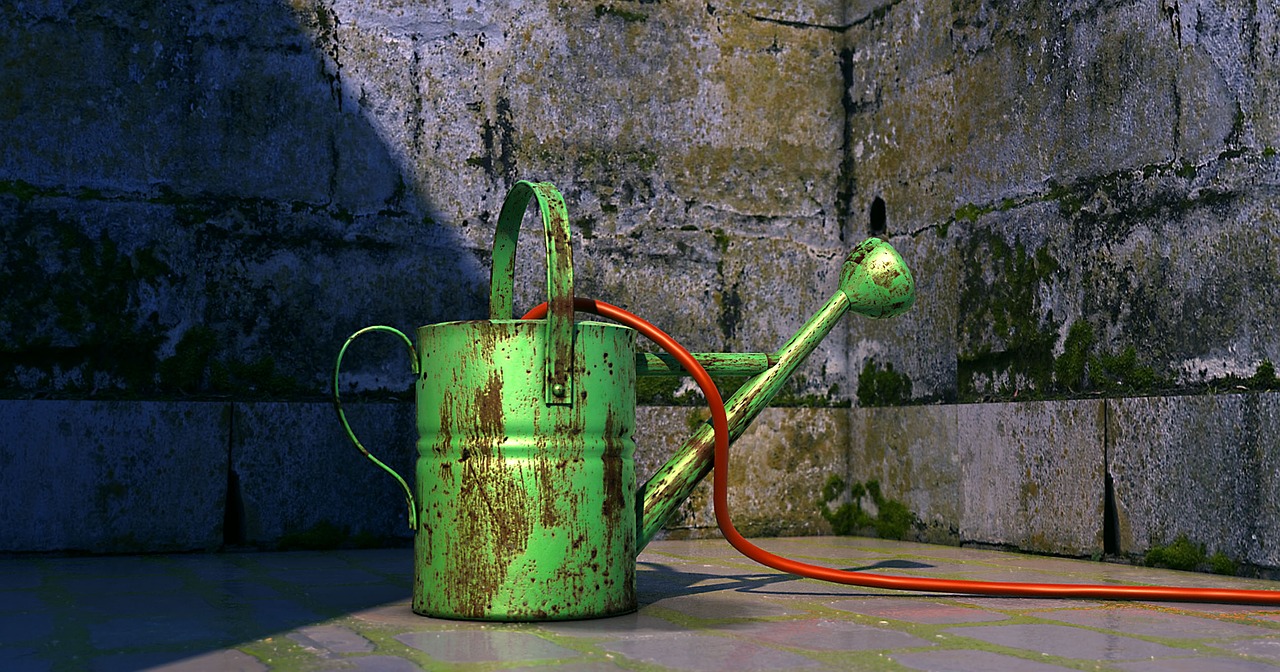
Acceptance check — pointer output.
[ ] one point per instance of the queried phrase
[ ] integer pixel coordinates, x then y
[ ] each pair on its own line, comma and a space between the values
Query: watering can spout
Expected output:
874, 282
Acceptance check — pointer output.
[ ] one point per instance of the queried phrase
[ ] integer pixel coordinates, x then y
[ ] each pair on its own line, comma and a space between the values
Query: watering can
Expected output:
526, 505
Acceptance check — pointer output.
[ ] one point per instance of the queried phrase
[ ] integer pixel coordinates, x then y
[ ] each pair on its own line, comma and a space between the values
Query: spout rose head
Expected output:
877, 281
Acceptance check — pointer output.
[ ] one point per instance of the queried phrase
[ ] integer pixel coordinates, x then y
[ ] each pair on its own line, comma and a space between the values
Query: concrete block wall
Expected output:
112, 476
1205, 467
129, 476
1086, 478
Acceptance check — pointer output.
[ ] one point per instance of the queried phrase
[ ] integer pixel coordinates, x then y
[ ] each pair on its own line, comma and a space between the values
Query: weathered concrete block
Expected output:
112, 477
914, 454
1033, 475
776, 468
1207, 467
303, 484
1128, 149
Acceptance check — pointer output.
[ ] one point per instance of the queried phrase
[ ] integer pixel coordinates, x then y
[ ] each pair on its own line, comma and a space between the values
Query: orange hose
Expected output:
720, 496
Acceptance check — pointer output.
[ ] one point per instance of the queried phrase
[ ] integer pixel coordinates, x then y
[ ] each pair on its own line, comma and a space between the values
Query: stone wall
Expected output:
207, 198
1088, 478
200, 201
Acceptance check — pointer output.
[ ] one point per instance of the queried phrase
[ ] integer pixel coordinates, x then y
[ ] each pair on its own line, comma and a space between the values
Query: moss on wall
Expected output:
1006, 336
72, 315
882, 387
1188, 556
888, 519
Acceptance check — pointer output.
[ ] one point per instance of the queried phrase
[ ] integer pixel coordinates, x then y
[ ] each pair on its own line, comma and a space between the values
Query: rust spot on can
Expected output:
613, 470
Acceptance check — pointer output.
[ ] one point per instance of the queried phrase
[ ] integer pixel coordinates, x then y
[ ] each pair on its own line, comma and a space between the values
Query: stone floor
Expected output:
703, 607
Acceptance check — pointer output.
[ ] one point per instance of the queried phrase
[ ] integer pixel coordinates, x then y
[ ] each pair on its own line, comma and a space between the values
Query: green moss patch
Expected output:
891, 519
882, 387
324, 536
1188, 556
1006, 337
626, 15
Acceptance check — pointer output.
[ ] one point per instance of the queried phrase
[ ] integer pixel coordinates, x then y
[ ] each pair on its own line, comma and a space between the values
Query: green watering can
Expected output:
526, 505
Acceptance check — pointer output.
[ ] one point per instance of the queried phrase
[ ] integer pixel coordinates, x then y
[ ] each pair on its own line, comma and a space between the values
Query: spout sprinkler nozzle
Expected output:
877, 281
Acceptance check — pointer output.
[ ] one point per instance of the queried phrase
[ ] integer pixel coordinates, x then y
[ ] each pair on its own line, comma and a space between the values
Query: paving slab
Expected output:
918, 610
704, 653
1141, 621
1067, 642
482, 646
971, 661
702, 609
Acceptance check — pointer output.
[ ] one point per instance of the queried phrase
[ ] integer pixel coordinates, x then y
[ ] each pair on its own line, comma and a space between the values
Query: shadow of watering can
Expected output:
526, 505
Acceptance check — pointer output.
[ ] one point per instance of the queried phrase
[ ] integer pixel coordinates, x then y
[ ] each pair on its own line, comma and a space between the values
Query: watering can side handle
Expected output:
342, 416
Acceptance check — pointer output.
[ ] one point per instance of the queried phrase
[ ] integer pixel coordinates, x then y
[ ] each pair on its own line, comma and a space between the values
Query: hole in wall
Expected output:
879, 221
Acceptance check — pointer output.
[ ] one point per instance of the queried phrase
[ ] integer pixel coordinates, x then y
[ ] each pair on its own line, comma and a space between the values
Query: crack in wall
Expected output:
1110, 512
875, 12
233, 532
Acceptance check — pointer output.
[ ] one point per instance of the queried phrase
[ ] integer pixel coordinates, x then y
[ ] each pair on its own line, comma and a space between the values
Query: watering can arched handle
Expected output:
558, 388
342, 416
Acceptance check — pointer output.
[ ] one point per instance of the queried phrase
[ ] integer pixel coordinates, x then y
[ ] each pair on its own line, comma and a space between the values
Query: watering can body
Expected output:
526, 505
526, 509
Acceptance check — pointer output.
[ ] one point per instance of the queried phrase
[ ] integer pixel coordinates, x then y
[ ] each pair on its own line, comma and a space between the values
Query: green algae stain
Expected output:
969, 212
882, 387
187, 369
626, 15
322, 536
78, 324
890, 520
1069, 369
671, 391
23, 191
659, 391
54, 275
1006, 337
